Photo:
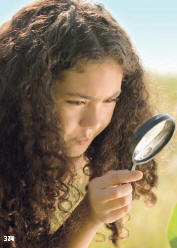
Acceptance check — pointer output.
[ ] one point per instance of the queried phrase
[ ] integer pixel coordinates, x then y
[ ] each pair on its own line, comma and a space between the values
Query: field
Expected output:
148, 226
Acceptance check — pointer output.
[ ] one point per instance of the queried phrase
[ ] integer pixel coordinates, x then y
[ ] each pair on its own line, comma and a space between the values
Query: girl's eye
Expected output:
81, 102
75, 102
113, 100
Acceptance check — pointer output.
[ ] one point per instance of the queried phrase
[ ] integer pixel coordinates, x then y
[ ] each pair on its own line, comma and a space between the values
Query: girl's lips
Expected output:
82, 141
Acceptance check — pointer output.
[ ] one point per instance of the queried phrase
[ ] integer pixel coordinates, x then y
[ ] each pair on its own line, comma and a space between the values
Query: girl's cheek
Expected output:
69, 118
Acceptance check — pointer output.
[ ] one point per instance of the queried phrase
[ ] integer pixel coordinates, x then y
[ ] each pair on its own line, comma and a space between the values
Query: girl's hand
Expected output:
110, 195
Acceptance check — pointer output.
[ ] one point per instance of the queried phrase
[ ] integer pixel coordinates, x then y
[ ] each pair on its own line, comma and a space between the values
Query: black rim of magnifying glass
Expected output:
146, 128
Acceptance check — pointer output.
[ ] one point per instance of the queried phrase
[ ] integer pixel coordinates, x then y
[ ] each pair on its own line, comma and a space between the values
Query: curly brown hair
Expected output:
41, 42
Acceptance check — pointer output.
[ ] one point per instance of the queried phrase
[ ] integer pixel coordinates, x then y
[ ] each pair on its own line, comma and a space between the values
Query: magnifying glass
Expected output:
151, 138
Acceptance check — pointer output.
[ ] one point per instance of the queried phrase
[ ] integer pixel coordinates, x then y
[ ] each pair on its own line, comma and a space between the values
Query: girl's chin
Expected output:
75, 154
76, 150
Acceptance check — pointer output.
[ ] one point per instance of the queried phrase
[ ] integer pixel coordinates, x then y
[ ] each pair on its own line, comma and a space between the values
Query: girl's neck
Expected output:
79, 162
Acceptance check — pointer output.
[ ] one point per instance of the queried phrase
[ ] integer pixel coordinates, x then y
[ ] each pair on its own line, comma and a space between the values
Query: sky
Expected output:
150, 24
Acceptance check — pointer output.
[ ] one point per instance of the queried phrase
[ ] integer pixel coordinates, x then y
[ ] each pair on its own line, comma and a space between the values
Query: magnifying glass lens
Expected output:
151, 137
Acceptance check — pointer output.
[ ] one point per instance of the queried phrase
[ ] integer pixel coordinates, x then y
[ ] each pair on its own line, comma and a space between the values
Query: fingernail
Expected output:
140, 173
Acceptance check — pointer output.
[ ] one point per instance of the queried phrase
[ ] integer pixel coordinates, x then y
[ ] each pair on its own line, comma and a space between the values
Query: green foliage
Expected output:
172, 229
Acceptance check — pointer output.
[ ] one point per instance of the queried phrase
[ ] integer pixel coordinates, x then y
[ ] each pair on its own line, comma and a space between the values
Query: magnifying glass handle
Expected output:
133, 167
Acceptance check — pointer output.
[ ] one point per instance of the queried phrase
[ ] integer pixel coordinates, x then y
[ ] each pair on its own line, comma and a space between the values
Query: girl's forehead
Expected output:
94, 70
97, 79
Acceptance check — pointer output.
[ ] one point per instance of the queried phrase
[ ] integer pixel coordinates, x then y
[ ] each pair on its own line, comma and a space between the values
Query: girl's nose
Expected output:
91, 118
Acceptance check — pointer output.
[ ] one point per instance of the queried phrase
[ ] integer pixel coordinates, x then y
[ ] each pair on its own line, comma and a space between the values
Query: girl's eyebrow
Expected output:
89, 97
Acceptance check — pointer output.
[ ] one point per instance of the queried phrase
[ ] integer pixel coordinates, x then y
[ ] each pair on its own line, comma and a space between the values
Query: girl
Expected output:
72, 93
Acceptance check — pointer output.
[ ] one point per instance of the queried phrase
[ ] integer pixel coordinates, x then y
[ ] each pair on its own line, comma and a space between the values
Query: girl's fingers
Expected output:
114, 177
118, 203
117, 214
115, 192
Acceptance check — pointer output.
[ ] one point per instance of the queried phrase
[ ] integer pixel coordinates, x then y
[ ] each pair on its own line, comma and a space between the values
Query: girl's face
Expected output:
86, 102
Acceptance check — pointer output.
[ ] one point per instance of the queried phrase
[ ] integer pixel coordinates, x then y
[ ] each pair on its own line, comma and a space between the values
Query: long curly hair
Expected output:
37, 46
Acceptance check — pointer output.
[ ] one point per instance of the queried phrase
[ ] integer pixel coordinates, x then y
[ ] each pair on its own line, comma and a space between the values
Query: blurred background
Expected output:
152, 28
